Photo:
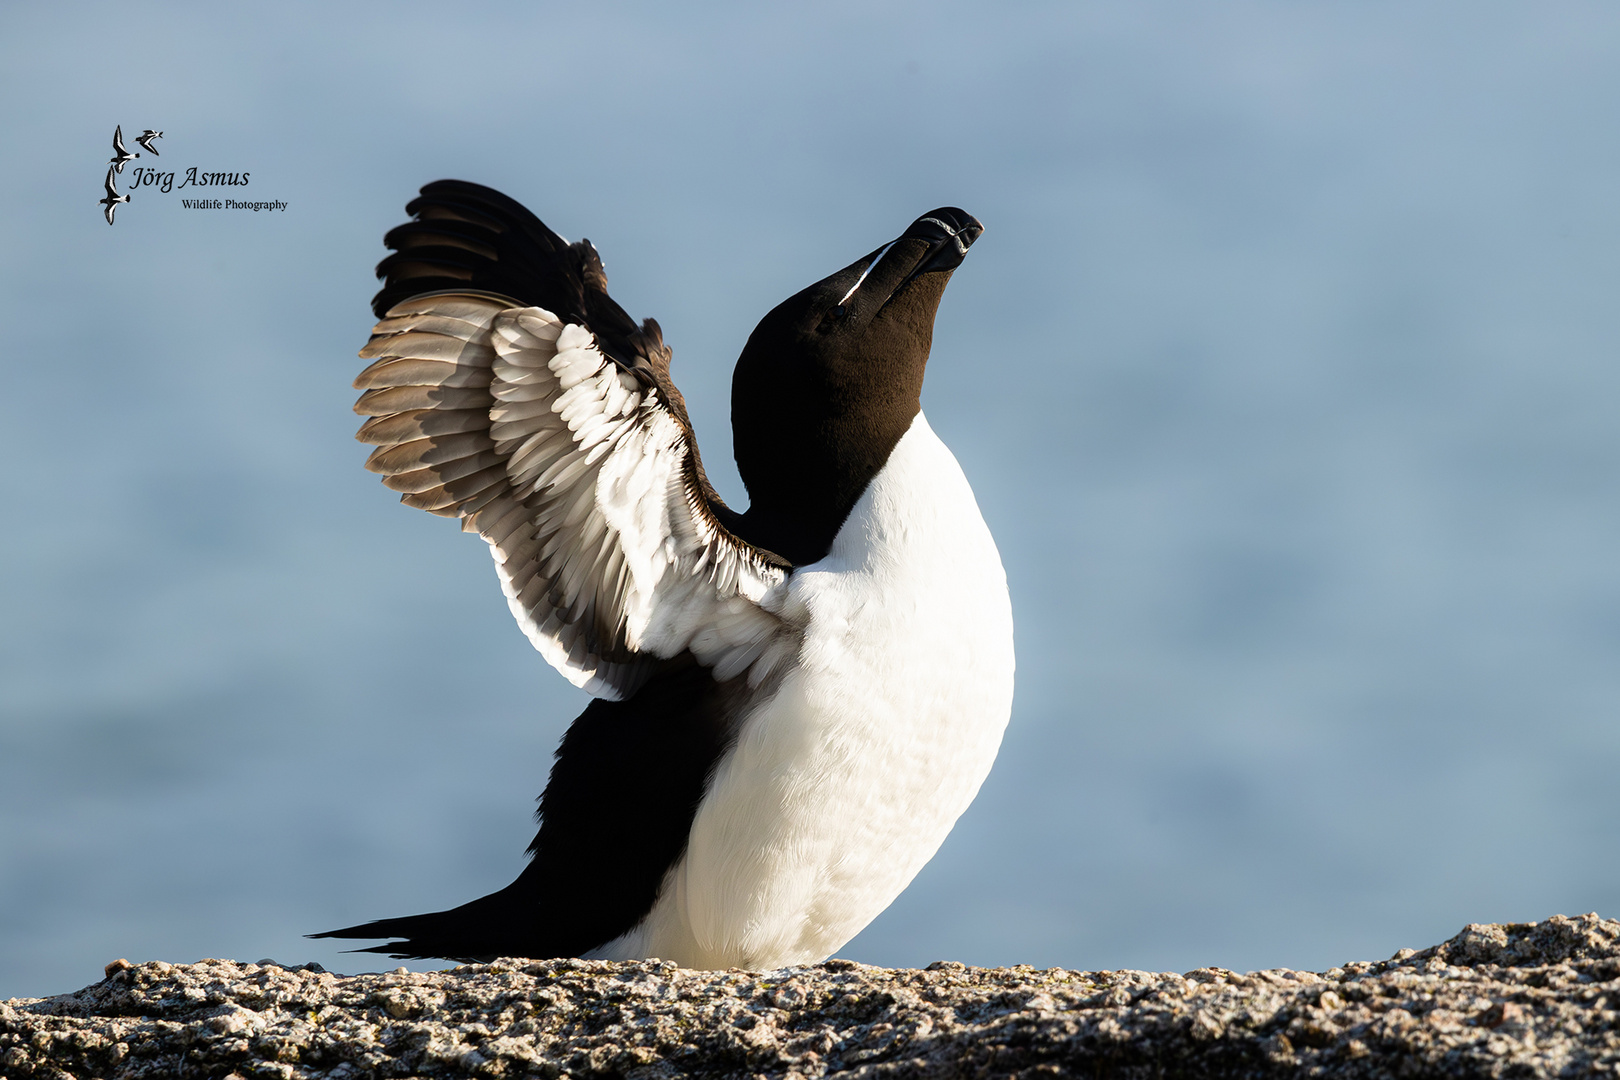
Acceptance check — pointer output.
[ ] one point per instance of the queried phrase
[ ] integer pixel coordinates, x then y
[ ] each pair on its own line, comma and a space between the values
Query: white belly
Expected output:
846, 780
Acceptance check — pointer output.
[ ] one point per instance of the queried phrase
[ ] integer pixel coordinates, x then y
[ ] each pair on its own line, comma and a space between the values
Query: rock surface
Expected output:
1524, 1000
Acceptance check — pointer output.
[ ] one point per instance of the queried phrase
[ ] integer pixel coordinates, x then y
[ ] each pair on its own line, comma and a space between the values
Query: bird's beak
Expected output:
948, 232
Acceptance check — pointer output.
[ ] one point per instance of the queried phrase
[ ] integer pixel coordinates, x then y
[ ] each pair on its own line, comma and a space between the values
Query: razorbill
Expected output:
794, 703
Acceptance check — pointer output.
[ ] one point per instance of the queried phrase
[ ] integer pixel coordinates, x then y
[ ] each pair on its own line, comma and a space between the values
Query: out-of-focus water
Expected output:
1286, 375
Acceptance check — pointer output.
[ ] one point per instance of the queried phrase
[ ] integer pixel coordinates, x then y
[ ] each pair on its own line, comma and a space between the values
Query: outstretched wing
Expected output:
563, 444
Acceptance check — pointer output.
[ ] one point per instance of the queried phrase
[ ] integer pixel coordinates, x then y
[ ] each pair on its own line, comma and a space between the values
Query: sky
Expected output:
1285, 375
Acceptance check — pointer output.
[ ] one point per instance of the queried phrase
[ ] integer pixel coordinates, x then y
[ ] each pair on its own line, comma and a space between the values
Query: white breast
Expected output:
846, 780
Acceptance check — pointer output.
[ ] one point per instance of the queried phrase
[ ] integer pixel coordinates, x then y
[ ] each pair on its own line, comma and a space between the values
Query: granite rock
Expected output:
1523, 1000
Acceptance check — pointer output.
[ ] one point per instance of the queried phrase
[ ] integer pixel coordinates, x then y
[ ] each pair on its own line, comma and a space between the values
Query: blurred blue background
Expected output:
1286, 376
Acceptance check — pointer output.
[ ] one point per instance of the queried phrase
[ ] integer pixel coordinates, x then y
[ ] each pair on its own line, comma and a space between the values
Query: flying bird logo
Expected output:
110, 203
121, 155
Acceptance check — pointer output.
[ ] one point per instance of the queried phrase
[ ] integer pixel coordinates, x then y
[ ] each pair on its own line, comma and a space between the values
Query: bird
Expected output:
794, 703
112, 199
121, 156
145, 139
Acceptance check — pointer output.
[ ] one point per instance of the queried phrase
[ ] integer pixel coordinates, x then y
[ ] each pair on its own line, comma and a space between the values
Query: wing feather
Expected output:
576, 470
392, 371
392, 399
420, 423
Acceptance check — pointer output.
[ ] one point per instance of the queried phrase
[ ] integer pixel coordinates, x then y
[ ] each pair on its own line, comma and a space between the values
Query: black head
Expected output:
831, 379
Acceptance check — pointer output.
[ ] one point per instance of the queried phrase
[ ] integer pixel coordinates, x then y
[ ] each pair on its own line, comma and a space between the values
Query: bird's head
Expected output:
832, 377
872, 320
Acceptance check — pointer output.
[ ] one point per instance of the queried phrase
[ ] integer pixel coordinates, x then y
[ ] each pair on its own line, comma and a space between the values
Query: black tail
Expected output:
476, 932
